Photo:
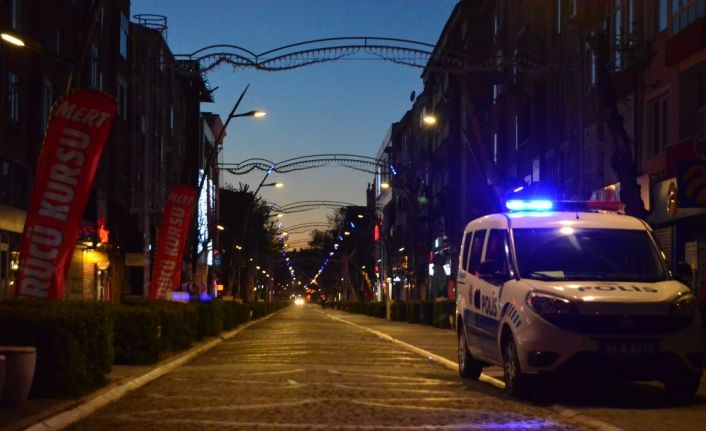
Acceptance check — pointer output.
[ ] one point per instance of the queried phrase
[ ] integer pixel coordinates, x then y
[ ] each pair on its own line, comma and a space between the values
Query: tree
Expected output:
622, 161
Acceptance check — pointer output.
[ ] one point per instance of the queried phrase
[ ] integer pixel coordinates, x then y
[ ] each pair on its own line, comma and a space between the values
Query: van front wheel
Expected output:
681, 387
468, 366
515, 380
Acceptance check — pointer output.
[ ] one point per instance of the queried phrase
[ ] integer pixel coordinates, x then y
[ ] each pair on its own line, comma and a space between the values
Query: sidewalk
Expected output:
55, 413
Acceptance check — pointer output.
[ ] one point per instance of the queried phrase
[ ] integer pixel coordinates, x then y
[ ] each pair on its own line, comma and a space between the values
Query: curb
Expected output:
96, 401
562, 411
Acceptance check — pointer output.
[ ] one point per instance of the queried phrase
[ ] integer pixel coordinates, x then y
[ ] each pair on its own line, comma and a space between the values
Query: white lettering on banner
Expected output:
62, 176
165, 275
82, 114
38, 268
172, 243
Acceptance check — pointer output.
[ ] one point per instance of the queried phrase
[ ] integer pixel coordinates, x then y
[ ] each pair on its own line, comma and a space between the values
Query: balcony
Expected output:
686, 42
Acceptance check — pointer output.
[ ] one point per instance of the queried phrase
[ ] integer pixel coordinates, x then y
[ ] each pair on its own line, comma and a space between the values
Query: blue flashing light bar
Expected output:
394, 171
529, 205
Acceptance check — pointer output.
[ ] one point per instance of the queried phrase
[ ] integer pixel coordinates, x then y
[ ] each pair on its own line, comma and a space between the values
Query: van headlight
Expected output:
684, 305
552, 308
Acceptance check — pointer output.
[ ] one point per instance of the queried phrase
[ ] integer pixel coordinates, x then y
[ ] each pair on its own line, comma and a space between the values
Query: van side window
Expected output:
476, 250
466, 250
497, 249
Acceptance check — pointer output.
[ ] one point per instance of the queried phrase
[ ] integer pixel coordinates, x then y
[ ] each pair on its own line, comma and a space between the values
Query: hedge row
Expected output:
376, 308
78, 342
435, 313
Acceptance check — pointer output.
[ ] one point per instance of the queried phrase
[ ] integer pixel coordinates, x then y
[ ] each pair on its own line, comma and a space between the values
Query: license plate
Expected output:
628, 348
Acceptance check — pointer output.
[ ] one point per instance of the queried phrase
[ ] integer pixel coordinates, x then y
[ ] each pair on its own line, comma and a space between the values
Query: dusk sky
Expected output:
339, 107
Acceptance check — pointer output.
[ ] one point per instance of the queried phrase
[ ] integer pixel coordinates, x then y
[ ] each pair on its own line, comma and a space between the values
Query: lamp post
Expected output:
211, 160
246, 219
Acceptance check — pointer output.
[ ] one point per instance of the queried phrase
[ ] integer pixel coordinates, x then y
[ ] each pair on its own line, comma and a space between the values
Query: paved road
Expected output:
631, 406
302, 370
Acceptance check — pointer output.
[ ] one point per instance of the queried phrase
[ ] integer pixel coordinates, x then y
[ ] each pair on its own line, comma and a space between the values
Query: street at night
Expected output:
353, 215
303, 370
307, 369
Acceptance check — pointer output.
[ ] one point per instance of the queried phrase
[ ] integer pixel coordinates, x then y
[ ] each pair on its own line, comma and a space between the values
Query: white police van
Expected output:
556, 292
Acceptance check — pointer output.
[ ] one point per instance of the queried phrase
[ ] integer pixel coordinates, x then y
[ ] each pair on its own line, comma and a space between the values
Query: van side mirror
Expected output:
492, 270
684, 273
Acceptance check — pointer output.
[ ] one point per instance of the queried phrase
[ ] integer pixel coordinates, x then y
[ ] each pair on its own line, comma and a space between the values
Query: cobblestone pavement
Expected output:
301, 370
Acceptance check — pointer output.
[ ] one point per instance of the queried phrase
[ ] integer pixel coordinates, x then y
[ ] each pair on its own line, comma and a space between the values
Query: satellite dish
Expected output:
412, 96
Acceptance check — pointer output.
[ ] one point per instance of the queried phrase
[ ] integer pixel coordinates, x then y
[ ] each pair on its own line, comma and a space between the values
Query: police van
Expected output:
559, 290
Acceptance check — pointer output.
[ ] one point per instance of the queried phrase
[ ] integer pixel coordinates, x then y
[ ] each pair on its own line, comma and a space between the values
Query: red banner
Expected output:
176, 220
73, 144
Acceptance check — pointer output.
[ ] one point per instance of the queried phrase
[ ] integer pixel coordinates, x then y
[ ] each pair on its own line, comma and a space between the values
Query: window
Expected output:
13, 92
592, 68
662, 12
124, 31
47, 101
476, 250
122, 98
587, 255
95, 73
498, 249
618, 16
14, 15
466, 250
684, 12
658, 124
495, 148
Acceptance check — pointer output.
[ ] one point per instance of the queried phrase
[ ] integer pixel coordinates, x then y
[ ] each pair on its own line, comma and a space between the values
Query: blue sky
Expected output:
340, 107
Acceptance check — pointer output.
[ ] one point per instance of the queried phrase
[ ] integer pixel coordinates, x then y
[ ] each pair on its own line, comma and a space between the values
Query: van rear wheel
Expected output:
515, 380
468, 366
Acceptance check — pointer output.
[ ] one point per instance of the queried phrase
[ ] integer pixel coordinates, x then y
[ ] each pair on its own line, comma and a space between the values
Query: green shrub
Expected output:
414, 313
442, 311
137, 335
398, 311
258, 309
73, 341
210, 321
426, 312
241, 313
178, 324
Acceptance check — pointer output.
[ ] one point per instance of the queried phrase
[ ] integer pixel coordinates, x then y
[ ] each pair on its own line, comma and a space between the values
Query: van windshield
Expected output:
588, 254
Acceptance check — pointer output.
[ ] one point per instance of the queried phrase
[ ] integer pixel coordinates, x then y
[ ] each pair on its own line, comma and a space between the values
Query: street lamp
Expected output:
9, 38
210, 160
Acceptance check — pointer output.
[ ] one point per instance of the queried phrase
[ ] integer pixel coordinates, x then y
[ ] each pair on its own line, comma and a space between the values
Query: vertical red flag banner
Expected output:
78, 128
176, 220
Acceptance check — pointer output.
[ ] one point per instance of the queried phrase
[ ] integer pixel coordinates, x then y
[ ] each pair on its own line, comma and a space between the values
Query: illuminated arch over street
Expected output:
401, 51
365, 164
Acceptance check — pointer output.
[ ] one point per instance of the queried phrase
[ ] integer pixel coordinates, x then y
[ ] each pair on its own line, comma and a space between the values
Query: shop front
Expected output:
12, 222
680, 231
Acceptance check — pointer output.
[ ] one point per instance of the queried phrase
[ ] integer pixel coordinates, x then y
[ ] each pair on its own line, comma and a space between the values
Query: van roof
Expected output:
557, 219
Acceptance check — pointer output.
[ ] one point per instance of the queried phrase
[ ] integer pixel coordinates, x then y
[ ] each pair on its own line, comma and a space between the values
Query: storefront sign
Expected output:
691, 182
74, 141
172, 237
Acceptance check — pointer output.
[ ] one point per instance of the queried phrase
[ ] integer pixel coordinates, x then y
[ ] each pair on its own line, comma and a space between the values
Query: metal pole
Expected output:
212, 153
